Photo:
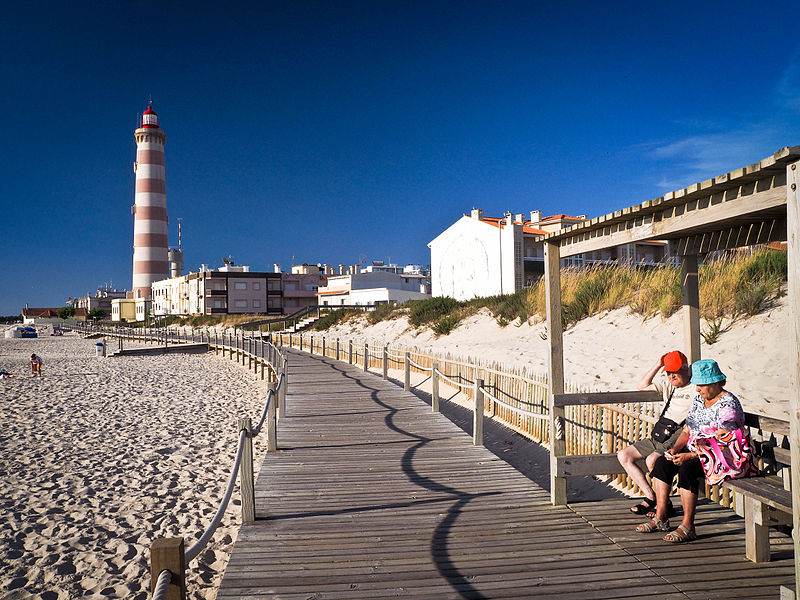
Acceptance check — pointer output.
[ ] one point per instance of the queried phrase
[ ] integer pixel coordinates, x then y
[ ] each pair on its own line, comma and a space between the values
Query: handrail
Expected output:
192, 552
455, 383
522, 411
270, 394
162, 585
420, 367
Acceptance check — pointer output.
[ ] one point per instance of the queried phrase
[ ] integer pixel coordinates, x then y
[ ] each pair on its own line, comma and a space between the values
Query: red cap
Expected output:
673, 361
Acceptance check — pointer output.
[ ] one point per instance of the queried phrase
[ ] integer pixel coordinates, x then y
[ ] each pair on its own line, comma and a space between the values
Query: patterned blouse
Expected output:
726, 413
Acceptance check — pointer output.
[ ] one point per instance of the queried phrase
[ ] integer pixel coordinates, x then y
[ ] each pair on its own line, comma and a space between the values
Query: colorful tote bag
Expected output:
729, 456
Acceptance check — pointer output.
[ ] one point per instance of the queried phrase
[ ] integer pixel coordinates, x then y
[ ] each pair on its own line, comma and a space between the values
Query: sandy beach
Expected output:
101, 456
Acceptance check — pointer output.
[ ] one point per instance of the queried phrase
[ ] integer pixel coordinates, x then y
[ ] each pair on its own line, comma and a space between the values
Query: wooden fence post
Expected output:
477, 421
407, 371
366, 356
555, 371
435, 387
168, 553
246, 473
337, 348
284, 385
350, 352
272, 425
385, 362
323, 346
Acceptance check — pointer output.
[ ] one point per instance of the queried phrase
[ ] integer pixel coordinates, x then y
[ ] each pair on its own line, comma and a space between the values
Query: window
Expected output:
256, 303
256, 285
311, 288
274, 302
240, 285
274, 284
241, 304
218, 304
290, 287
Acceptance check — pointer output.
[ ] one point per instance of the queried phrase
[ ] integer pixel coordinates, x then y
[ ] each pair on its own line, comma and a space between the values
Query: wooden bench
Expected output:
764, 501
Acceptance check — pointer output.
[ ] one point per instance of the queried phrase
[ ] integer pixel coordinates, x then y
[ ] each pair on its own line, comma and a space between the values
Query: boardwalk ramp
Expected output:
371, 495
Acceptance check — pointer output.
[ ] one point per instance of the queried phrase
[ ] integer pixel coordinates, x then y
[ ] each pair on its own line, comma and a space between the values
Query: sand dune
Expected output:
612, 350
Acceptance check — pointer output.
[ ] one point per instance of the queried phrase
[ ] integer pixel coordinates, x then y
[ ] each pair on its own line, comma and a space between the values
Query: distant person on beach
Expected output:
5, 374
36, 365
673, 384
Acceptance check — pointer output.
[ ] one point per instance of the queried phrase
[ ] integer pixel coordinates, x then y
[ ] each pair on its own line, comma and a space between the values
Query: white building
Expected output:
372, 288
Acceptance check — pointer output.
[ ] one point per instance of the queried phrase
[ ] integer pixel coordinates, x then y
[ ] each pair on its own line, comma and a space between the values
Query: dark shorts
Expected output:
690, 473
647, 446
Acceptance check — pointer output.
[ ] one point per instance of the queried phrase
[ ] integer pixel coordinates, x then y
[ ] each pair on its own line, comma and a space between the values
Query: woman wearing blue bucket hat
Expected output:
715, 418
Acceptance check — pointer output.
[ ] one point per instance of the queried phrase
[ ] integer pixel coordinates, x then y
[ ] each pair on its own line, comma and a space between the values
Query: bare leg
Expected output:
662, 497
627, 458
689, 502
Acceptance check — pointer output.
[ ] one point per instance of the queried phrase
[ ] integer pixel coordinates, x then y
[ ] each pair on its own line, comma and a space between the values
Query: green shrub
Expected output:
333, 318
382, 312
423, 312
445, 325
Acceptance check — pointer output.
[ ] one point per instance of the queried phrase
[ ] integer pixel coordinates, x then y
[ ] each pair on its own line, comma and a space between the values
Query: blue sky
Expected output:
330, 131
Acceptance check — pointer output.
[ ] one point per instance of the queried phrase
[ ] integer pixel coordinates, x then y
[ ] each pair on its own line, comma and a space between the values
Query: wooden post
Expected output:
477, 415
272, 425
282, 392
337, 348
323, 346
168, 553
385, 362
558, 447
435, 387
690, 294
407, 371
793, 364
350, 352
366, 356
246, 473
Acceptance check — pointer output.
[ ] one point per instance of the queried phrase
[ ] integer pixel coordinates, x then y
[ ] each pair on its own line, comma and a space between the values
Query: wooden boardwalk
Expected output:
373, 496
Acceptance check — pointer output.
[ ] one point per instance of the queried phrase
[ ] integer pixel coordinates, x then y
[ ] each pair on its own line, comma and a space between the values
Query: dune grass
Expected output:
736, 285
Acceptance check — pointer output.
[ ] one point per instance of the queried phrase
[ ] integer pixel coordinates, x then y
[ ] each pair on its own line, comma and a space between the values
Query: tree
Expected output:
65, 312
96, 314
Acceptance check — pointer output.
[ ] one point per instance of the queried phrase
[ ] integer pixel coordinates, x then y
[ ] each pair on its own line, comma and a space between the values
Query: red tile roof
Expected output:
498, 222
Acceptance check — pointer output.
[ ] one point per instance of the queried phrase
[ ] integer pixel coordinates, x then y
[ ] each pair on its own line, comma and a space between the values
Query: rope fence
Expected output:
168, 559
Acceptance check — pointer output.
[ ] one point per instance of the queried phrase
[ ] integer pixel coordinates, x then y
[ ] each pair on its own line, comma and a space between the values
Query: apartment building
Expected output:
372, 288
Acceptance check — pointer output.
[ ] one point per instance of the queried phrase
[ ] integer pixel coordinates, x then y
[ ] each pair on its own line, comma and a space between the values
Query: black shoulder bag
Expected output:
664, 427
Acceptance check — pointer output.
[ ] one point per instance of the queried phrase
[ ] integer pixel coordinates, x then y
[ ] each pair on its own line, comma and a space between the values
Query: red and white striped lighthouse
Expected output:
150, 261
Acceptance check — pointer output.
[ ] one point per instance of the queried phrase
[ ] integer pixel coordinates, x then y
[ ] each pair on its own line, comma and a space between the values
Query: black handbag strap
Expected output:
666, 406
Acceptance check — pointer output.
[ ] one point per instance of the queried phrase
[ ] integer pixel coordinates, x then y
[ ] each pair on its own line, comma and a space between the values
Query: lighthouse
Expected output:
150, 262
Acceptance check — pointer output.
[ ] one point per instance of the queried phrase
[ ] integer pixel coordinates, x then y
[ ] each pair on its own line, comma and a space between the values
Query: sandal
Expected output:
653, 525
680, 535
645, 507
671, 512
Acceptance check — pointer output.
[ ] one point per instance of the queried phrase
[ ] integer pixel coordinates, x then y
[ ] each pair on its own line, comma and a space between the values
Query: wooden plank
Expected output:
588, 398
588, 464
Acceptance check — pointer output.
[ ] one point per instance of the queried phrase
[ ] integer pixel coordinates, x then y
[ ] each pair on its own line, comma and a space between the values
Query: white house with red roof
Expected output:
479, 256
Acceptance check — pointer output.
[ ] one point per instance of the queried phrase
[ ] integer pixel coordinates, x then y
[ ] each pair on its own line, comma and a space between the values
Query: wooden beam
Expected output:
793, 230
588, 464
558, 446
712, 212
584, 399
690, 293
758, 232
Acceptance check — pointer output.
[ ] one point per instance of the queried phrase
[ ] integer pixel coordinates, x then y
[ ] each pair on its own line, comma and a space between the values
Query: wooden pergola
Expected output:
756, 204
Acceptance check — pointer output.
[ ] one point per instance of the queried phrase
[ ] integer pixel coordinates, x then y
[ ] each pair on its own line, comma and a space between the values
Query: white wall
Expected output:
466, 260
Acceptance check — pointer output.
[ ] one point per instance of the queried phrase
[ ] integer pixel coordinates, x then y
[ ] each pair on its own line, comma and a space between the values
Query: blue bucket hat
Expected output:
706, 371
